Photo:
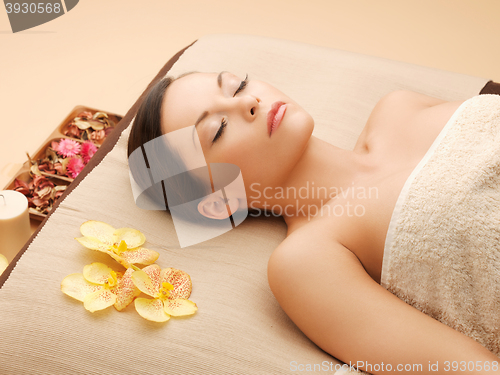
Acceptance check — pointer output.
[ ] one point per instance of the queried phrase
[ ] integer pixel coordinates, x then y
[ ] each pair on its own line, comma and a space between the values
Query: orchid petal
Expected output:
77, 287
179, 307
125, 291
99, 300
132, 237
3, 263
119, 259
148, 280
180, 280
92, 243
140, 255
151, 309
98, 229
154, 272
99, 273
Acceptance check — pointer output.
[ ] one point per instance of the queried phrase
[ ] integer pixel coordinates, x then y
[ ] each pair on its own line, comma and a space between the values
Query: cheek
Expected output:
249, 154
244, 153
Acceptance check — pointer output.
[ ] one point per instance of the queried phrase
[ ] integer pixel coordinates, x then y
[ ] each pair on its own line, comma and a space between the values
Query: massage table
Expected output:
239, 327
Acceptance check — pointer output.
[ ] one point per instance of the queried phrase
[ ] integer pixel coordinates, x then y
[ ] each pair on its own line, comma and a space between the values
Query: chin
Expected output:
310, 124
304, 125
298, 136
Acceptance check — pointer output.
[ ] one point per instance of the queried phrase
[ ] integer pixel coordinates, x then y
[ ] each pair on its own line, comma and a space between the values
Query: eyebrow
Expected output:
205, 113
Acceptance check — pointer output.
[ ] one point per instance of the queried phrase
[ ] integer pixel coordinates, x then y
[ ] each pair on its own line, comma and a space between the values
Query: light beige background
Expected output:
102, 54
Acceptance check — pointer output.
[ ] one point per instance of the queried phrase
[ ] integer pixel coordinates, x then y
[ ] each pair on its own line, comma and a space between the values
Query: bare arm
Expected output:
325, 290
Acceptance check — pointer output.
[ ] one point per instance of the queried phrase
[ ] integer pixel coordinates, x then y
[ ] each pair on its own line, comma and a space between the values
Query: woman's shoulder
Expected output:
311, 236
320, 230
394, 117
401, 105
408, 99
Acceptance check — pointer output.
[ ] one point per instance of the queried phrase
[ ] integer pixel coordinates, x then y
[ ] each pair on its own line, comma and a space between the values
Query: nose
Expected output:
247, 106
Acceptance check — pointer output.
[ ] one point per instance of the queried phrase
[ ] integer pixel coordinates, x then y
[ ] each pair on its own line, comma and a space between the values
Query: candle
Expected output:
14, 223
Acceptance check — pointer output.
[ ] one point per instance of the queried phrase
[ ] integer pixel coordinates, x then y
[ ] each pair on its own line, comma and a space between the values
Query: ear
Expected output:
214, 207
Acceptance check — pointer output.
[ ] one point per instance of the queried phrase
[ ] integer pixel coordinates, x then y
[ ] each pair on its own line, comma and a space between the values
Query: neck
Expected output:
322, 172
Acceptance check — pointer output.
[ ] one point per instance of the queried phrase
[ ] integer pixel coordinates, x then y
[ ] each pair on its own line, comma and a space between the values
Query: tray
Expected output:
26, 173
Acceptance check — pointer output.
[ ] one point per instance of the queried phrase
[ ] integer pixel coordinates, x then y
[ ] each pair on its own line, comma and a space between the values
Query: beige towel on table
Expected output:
442, 251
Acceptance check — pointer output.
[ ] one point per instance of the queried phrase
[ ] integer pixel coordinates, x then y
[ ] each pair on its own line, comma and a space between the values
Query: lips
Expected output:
275, 116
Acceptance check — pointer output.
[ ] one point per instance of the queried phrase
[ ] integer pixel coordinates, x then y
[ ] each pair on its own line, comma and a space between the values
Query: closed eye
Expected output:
223, 124
220, 131
242, 86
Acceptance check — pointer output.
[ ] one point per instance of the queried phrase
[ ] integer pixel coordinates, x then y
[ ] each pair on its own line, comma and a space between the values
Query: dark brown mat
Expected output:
491, 88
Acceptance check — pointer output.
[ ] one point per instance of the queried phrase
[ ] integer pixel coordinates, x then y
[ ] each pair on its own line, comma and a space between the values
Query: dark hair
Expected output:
185, 187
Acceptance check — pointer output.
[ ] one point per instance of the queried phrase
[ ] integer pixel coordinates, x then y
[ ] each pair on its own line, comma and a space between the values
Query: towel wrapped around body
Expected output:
442, 250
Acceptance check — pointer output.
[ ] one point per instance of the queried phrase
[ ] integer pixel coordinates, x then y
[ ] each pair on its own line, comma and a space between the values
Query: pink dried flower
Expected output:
68, 148
75, 166
88, 150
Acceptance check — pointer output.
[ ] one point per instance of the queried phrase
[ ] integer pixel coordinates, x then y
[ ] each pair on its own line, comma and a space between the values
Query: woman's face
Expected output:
234, 126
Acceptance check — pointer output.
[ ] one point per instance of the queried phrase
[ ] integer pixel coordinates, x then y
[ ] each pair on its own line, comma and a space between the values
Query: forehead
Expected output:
186, 98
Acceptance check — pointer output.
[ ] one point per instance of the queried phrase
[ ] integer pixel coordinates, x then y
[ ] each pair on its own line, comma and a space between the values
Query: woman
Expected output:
326, 273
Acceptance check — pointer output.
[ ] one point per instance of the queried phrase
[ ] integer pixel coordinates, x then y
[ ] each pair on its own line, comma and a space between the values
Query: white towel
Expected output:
442, 251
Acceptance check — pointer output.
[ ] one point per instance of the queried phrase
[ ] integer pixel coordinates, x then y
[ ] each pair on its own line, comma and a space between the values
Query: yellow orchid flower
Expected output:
170, 289
123, 245
3, 263
100, 287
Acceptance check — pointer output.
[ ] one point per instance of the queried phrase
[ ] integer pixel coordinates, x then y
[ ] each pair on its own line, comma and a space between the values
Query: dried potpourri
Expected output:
50, 165
87, 126
65, 158
41, 193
